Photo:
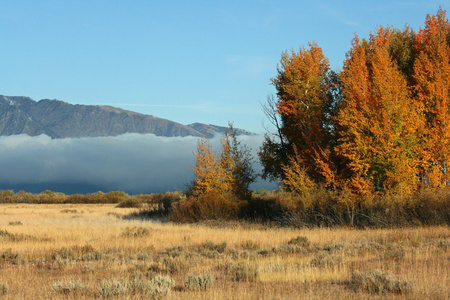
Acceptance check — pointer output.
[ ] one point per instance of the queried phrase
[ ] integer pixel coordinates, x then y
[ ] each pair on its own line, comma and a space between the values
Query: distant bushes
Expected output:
161, 202
319, 207
49, 197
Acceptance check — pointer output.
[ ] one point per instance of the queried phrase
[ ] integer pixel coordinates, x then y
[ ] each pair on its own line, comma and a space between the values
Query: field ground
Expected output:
89, 251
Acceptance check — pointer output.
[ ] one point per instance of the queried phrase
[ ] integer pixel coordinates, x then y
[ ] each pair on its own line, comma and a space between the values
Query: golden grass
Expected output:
92, 243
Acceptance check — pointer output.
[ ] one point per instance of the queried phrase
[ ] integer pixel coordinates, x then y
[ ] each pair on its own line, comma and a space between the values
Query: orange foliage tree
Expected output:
378, 121
432, 77
302, 84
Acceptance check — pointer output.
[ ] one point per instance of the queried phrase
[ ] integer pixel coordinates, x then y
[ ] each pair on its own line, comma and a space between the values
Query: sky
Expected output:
187, 61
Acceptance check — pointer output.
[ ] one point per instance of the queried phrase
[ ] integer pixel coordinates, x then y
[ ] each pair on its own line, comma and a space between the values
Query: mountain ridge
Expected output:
60, 119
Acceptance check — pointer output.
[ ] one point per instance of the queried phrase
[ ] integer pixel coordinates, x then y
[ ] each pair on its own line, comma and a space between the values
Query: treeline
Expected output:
114, 197
320, 207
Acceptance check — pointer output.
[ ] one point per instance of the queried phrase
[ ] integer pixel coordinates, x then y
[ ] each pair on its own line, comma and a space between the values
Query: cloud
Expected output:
134, 163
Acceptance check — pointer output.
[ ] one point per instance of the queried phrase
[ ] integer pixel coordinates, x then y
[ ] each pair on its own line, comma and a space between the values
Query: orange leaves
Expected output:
432, 75
384, 125
378, 119
302, 84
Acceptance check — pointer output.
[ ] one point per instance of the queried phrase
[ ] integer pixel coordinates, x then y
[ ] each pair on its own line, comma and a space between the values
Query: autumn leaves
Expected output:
380, 125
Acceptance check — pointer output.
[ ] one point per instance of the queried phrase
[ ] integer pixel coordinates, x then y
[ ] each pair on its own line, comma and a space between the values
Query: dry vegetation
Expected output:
86, 251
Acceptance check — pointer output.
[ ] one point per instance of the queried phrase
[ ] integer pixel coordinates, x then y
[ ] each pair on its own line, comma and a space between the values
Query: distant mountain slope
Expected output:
59, 119
210, 130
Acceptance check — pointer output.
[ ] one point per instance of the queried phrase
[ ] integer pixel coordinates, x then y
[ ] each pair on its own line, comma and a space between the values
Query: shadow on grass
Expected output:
147, 215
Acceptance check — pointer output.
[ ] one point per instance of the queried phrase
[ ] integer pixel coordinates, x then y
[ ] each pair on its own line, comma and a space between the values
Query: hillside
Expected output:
59, 119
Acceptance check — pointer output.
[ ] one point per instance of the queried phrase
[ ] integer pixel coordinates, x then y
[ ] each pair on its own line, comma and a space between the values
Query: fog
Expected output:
134, 163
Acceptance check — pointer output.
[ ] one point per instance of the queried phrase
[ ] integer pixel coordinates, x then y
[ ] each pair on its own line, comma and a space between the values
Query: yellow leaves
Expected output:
297, 179
432, 76
229, 172
212, 172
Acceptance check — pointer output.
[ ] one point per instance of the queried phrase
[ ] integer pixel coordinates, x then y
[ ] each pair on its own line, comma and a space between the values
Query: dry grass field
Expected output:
94, 251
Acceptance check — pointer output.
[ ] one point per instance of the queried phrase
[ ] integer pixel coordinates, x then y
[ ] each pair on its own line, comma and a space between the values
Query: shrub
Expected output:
301, 241
395, 254
195, 282
135, 232
90, 256
160, 285
69, 287
242, 272
6, 236
7, 196
271, 268
112, 288
323, 260
65, 254
50, 197
206, 206
10, 257
4, 287
130, 203
208, 245
377, 282
15, 223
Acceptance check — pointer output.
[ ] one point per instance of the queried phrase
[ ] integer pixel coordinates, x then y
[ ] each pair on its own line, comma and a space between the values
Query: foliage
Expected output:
304, 83
378, 122
227, 172
221, 181
432, 77
379, 127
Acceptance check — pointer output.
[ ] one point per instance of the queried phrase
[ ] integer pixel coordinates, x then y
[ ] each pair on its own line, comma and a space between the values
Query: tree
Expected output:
273, 152
304, 102
229, 172
432, 76
378, 121
211, 172
240, 163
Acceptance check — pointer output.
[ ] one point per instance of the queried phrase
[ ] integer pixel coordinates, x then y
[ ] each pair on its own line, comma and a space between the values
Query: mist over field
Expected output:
135, 163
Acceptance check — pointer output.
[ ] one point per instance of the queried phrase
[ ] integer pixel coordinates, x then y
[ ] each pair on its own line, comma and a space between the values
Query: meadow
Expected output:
86, 251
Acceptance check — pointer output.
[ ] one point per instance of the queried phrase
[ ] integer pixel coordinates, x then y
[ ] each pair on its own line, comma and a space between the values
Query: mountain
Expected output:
59, 119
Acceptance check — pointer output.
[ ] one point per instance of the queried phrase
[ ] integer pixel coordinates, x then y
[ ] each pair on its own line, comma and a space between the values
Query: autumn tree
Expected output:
211, 171
305, 109
229, 172
239, 162
432, 76
377, 122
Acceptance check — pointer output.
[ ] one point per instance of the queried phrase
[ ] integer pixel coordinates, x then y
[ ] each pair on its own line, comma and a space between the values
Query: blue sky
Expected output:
187, 61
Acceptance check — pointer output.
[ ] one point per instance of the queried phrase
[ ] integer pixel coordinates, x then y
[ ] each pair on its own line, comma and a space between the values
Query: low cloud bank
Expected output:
135, 163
